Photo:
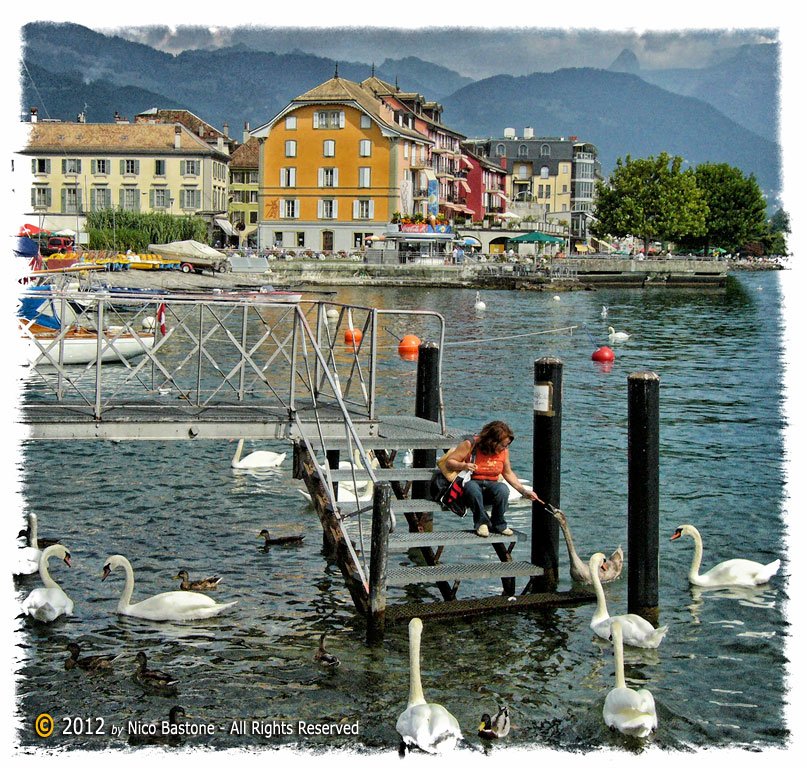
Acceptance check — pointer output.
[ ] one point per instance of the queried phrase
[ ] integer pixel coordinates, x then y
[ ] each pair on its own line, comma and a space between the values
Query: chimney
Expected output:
225, 129
177, 137
246, 132
201, 131
528, 134
34, 117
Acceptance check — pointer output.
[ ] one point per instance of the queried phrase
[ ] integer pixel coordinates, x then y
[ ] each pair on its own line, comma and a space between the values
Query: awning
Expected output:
467, 162
581, 247
429, 174
465, 209
226, 226
464, 185
537, 237
468, 240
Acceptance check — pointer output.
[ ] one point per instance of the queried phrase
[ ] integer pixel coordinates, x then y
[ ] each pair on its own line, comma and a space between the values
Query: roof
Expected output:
182, 116
114, 138
246, 156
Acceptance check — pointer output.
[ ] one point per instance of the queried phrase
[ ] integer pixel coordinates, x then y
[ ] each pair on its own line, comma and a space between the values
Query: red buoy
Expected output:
603, 355
353, 336
408, 347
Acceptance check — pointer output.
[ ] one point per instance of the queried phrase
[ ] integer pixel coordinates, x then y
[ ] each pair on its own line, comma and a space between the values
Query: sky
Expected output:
630, 24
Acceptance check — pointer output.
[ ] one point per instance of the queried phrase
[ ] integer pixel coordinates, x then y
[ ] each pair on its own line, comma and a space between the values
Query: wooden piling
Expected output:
382, 498
427, 406
643, 494
547, 401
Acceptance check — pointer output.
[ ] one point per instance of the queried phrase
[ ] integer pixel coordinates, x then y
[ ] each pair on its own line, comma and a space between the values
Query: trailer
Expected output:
193, 256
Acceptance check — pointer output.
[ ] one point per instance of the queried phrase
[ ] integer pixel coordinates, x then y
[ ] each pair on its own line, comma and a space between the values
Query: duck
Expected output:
153, 734
257, 459
579, 571
496, 727
632, 712
30, 533
166, 606
430, 727
153, 678
323, 657
269, 540
636, 631
49, 602
737, 572
211, 582
478, 303
617, 335
88, 663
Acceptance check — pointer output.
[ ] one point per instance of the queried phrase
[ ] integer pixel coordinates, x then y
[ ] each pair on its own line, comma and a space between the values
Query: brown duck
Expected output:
202, 585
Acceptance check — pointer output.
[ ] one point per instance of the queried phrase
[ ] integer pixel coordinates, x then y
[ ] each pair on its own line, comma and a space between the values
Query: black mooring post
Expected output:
382, 499
643, 490
332, 457
546, 423
427, 406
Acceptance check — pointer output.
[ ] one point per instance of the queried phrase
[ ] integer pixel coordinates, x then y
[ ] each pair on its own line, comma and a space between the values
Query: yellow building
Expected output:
334, 166
79, 167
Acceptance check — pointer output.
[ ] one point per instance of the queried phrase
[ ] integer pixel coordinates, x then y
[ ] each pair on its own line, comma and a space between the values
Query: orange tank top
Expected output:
489, 466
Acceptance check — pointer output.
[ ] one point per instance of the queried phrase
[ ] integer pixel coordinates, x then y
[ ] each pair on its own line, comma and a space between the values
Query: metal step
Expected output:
402, 506
404, 474
401, 542
419, 574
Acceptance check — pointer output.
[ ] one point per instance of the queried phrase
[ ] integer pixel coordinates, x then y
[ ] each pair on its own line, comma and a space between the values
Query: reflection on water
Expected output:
168, 506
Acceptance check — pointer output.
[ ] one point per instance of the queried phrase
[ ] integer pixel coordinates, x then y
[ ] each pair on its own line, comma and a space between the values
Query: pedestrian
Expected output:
487, 455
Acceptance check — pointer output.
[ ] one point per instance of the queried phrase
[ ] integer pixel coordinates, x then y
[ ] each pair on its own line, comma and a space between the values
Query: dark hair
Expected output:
493, 433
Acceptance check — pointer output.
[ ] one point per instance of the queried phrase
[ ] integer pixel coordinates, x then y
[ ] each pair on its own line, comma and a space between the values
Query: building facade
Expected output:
243, 209
80, 167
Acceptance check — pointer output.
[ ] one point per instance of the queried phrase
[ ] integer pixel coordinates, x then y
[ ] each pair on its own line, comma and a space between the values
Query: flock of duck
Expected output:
432, 728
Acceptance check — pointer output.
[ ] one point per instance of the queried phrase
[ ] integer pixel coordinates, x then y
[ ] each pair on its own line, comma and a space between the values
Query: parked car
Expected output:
56, 244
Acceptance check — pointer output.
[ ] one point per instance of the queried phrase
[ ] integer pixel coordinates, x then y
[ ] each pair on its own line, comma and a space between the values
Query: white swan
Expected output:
579, 571
257, 459
630, 712
636, 631
167, 606
49, 602
730, 573
617, 335
348, 492
28, 556
478, 303
604, 312
431, 727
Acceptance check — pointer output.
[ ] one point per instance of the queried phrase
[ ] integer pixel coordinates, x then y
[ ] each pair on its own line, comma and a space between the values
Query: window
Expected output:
565, 189
364, 176
365, 147
159, 167
288, 177
291, 148
100, 198
253, 217
237, 177
500, 150
130, 199
289, 209
71, 165
277, 239
328, 148
363, 209
332, 118
327, 209
189, 167
544, 171
40, 165
522, 150
545, 151
366, 122
252, 196
40, 197
190, 199
328, 177
71, 200
237, 196
291, 123
129, 167
563, 168
160, 197
100, 167
251, 177
523, 171
301, 239
406, 150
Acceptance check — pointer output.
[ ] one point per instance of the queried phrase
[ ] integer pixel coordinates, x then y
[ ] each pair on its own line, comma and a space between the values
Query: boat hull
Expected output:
83, 349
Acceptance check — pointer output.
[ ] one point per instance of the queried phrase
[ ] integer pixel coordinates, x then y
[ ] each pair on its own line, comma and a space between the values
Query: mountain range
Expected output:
723, 113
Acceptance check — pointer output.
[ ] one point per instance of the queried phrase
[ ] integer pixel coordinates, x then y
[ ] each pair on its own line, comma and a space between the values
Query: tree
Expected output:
737, 208
778, 227
650, 198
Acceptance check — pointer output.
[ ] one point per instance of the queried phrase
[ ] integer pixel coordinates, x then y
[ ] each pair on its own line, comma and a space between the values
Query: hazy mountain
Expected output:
433, 81
619, 113
625, 62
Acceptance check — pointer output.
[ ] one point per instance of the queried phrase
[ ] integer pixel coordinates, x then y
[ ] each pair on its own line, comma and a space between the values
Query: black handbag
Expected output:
448, 492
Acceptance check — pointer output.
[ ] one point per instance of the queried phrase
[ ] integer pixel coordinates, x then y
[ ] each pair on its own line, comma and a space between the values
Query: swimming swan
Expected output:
428, 726
630, 712
478, 303
580, 572
257, 459
32, 539
737, 572
617, 335
167, 606
49, 602
636, 631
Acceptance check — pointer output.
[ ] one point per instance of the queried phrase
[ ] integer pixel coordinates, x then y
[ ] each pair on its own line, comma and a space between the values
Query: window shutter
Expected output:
292, 177
335, 209
33, 165
47, 165
136, 165
93, 167
48, 197
78, 166
64, 165
64, 199
316, 119
342, 119
372, 209
33, 196
282, 177
336, 177
320, 177
151, 198
355, 209
282, 208
319, 209
181, 167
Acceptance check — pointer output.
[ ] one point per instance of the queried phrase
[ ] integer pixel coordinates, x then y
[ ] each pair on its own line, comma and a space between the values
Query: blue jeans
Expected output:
479, 493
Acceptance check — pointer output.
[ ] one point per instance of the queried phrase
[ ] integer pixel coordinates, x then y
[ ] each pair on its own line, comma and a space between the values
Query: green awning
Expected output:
537, 237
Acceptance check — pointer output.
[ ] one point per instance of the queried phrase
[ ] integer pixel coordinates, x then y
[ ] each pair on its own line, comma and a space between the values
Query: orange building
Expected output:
334, 166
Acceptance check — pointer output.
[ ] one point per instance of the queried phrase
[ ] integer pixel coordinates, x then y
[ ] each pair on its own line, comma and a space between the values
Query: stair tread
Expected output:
402, 473
416, 574
401, 542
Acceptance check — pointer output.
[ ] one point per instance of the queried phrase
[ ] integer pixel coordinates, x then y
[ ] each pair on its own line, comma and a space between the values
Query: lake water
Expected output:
718, 679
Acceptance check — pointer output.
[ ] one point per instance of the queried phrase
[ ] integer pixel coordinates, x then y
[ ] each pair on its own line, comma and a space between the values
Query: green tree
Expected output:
737, 208
778, 227
650, 198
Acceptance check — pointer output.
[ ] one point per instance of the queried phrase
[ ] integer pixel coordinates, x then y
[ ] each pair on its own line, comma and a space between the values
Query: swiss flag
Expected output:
161, 318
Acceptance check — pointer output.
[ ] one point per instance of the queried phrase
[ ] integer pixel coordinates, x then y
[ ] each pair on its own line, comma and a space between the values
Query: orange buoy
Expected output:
603, 355
408, 347
353, 336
